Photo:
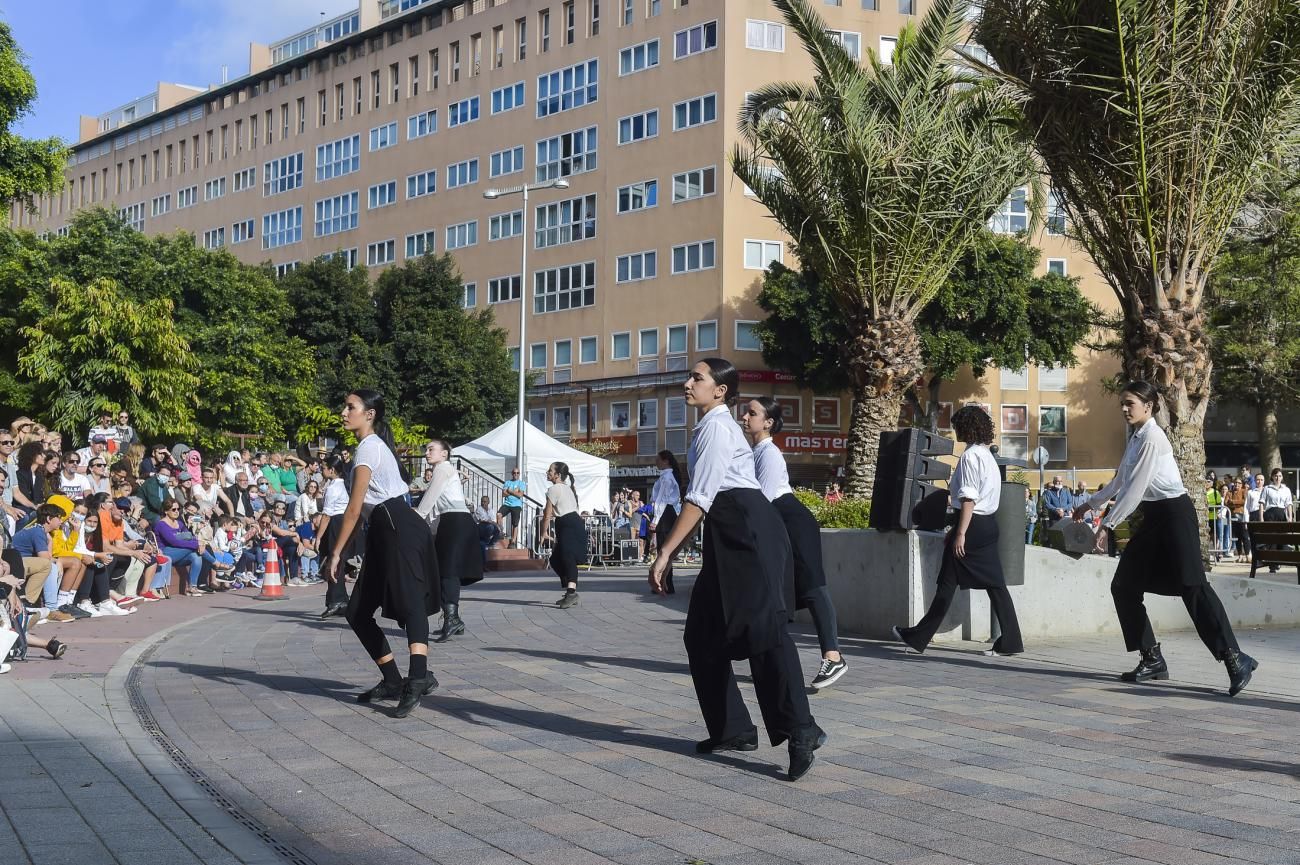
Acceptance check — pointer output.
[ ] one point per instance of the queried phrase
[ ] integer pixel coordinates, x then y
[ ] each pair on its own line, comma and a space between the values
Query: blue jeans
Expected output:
162, 577
1223, 532
187, 559
1029, 531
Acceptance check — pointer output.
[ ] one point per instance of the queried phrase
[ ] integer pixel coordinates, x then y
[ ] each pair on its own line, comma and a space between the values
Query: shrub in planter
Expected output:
848, 513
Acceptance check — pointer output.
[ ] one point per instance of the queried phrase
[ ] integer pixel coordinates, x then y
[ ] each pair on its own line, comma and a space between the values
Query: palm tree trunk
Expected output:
872, 414
1270, 447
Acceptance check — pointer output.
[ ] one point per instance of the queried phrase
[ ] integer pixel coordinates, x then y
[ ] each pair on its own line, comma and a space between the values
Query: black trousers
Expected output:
818, 602
778, 678
1203, 605
337, 591
999, 599
662, 531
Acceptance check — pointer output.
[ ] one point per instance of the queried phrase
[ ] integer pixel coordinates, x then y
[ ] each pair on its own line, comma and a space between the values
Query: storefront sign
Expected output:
633, 472
765, 376
811, 443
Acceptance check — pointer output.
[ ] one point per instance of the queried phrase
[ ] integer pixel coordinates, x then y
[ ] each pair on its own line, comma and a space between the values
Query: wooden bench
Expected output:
1273, 536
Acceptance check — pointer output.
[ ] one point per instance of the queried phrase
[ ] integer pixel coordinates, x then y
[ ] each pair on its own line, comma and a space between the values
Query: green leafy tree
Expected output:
335, 314
1153, 120
456, 377
98, 350
1255, 309
991, 311
883, 174
28, 168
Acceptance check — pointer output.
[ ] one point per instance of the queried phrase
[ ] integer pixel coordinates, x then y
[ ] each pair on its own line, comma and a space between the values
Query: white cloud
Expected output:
221, 32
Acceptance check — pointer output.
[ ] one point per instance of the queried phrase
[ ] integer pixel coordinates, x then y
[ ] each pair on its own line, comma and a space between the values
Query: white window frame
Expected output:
686, 251
735, 335
627, 58
705, 28
705, 100
564, 297
428, 120
766, 42
381, 195
644, 257
628, 124
469, 228
613, 345
513, 219
499, 165
708, 177
764, 249
427, 239
631, 190
594, 342
388, 247
383, 136
421, 183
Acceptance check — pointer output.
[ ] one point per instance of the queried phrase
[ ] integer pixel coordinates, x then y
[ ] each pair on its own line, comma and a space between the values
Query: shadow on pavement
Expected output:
592, 661
309, 686
1242, 765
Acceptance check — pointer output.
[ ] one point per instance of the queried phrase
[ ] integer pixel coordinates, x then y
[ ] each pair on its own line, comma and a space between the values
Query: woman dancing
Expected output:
400, 574
460, 560
761, 420
739, 602
1164, 555
329, 524
666, 500
570, 531
970, 551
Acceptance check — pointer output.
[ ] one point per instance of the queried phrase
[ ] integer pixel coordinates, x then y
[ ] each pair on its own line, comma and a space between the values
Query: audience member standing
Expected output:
1277, 504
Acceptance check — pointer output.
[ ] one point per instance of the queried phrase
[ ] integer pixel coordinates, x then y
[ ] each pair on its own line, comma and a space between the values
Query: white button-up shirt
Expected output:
665, 494
719, 459
977, 478
1147, 473
769, 468
444, 495
1275, 496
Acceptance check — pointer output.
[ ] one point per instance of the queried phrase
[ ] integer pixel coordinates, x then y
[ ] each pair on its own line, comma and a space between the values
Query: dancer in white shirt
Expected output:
460, 561
666, 499
761, 420
738, 606
1164, 555
970, 551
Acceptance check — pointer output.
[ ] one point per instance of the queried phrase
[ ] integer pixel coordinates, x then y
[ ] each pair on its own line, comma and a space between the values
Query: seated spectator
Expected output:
157, 494
34, 545
157, 458
209, 496
50, 482
308, 504
106, 430
261, 495
97, 474
98, 447
193, 468
241, 500
53, 441
30, 491
125, 432
178, 543
420, 484
14, 617
311, 471
286, 536
72, 483
286, 466
834, 494
1057, 501
233, 465
104, 541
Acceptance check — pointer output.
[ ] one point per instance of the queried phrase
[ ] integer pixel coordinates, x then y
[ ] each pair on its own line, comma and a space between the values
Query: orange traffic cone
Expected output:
272, 588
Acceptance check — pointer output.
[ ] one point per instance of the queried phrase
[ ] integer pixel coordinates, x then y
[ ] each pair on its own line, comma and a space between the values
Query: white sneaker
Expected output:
95, 612
4, 668
112, 609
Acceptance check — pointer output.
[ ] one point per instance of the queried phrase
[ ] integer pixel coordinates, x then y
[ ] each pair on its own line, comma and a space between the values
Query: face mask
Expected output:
78, 518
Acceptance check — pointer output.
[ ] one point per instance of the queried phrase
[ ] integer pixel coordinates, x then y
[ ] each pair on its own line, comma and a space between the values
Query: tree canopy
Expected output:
28, 168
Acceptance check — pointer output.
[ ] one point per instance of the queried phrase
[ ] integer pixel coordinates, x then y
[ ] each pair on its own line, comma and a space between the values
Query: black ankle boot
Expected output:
385, 690
452, 624
801, 749
412, 691
1240, 667
1151, 666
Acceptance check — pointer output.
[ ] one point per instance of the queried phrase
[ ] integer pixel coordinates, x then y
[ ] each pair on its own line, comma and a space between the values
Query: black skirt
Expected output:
400, 570
570, 546
330, 533
664, 528
805, 546
748, 567
1163, 556
459, 552
980, 568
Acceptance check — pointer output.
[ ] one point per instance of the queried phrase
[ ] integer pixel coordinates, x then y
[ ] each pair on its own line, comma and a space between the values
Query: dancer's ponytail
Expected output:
374, 401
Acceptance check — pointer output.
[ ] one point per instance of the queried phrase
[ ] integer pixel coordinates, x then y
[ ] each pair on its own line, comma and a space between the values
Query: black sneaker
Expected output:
570, 599
74, 611
385, 690
830, 673
746, 741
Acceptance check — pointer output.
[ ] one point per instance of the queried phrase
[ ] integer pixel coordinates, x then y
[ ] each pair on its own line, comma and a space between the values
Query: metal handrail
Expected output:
480, 482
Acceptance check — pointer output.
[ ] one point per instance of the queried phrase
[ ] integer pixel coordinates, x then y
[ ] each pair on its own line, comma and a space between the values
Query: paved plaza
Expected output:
566, 737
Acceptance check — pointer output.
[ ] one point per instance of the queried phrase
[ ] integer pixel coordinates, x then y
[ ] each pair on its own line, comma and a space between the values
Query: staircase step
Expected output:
513, 560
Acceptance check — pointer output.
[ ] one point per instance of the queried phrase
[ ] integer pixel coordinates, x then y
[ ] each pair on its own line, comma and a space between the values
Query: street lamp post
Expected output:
492, 195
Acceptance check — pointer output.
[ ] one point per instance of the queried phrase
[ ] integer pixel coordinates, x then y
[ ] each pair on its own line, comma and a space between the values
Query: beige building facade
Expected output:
376, 134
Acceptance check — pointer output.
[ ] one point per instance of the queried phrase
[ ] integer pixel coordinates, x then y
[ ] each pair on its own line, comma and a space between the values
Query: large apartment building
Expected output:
376, 134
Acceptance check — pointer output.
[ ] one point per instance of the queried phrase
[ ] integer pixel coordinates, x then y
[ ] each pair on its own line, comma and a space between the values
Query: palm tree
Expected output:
1154, 118
883, 174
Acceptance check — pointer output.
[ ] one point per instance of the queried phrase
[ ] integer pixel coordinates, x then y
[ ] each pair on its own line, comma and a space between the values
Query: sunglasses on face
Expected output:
98, 465
7, 442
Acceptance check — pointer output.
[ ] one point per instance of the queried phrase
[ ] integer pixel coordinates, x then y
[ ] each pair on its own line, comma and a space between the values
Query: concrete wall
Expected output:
882, 579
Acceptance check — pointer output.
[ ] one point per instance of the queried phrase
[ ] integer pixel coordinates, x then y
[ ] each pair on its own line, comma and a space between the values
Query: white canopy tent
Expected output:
495, 452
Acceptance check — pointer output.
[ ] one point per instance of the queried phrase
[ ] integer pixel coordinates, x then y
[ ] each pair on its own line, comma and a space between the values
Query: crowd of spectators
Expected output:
99, 530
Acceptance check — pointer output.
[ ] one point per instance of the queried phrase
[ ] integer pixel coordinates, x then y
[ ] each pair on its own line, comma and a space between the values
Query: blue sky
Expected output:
89, 56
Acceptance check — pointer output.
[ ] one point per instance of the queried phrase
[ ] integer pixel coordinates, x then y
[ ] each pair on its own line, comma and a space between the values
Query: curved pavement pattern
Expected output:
566, 736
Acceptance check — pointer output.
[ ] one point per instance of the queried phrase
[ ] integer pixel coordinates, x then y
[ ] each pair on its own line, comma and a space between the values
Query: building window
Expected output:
560, 420
564, 352
470, 300
337, 158
638, 58
505, 225
561, 288
241, 231
215, 238
648, 342
424, 183
337, 214
544, 31
381, 195
461, 235
246, 179
746, 337
507, 98
695, 112
214, 189
566, 155
420, 244
506, 161
764, 35
1055, 215
636, 127
1013, 216
887, 46
420, 125
1053, 378
620, 348
537, 355
537, 417
760, 253
281, 175
693, 184
694, 40
1014, 379
1057, 266
521, 39
504, 289
382, 252
587, 350
638, 196
160, 205
462, 173
186, 197
706, 336
283, 270
677, 339
693, 256
849, 41
462, 112
569, 16
568, 221
282, 228
636, 266
568, 88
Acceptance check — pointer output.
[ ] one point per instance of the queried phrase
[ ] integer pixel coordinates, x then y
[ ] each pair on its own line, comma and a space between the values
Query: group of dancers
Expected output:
762, 557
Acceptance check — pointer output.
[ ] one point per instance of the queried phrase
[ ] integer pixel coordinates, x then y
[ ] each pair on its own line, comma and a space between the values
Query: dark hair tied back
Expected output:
724, 374
562, 469
1145, 391
373, 400
671, 458
773, 410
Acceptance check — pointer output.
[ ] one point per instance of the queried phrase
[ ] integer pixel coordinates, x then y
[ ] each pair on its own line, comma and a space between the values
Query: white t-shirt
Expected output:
76, 487
977, 478
562, 500
336, 498
445, 493
207, 497
385, 477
